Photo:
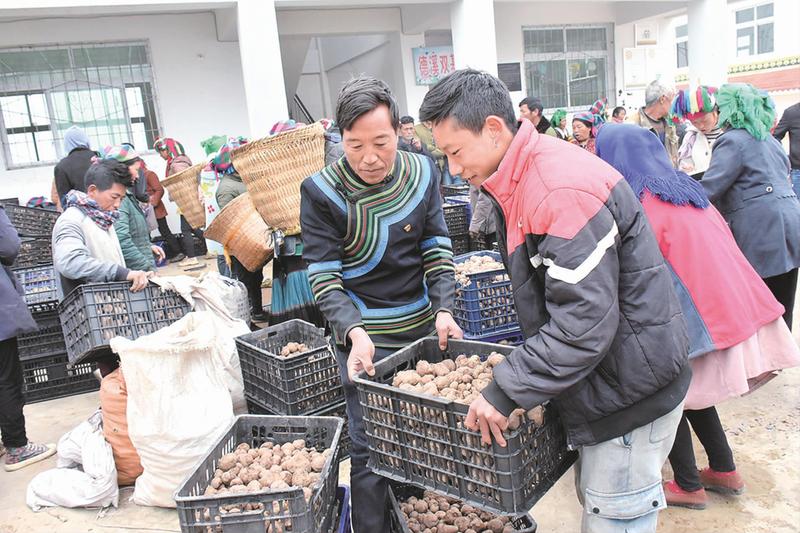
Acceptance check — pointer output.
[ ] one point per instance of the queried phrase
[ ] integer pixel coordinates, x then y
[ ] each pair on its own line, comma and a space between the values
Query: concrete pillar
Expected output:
262, 70
474, 44
708, 42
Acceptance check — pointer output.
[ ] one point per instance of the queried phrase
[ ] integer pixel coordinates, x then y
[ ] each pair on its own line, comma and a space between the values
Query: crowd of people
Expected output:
653, 256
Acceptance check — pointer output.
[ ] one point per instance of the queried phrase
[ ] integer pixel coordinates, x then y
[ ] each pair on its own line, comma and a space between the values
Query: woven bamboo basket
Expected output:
243, 232
273, 168
182, 188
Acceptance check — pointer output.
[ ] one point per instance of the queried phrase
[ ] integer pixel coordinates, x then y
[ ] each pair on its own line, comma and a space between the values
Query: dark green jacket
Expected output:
133, 235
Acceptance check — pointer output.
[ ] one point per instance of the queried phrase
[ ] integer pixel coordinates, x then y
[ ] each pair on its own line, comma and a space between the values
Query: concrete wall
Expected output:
198, 80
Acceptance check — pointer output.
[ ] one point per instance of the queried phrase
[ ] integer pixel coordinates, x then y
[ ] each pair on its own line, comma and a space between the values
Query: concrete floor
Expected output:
763, 430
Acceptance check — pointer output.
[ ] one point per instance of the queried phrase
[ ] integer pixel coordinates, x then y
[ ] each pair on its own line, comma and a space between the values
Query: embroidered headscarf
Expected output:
221, 163
641, 158
691, 103
742, 106
172, 147
81, 200
599, 109
285, 125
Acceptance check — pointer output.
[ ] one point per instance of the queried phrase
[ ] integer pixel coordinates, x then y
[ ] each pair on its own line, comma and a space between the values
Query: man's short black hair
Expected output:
406, 119
533, 103
617, 111
469, 96
106, 173
361, 95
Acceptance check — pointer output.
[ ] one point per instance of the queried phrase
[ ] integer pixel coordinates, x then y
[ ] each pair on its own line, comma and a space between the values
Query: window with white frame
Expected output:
682, 45
568, 66
755, 30
106, 89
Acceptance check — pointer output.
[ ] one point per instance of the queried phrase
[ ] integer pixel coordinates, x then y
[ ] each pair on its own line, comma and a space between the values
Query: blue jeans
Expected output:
619, 480
795, 175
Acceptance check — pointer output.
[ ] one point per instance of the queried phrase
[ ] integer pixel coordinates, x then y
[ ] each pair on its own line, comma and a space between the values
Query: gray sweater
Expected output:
84, 253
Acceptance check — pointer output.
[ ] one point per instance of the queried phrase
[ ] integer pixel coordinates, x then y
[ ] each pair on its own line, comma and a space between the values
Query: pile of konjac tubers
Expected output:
474, 265
437, 514
293, 348
460, 380
269, 467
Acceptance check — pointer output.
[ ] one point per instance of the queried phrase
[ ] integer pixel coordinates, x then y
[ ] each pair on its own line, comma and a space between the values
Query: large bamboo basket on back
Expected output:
273, 168
183, 190
242, 231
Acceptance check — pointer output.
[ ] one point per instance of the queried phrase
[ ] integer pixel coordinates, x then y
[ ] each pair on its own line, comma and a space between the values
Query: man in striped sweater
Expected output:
379, 259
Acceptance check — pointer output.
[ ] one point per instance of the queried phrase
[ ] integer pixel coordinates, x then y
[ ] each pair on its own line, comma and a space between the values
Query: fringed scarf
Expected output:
742, 106
641, 158
104, 219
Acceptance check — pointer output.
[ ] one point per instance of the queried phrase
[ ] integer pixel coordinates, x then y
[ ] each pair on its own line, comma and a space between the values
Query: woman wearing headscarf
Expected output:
70, 171
748, 181
559, 122
131, 226
174, 154
699, 107
737, 338
584, 129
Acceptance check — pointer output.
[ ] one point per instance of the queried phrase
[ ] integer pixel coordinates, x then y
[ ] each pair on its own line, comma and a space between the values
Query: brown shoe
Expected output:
722, 482
677, 497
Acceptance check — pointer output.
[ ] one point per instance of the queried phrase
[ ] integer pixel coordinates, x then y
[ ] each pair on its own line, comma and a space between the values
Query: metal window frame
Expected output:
608, 55
151, 107
755, 23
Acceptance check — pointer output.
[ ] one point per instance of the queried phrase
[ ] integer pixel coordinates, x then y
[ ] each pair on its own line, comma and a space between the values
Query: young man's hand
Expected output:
446, 328
139, 279
361, 353
484, 417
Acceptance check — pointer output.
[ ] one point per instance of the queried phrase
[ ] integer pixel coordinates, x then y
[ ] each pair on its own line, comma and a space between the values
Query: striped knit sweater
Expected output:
379, 256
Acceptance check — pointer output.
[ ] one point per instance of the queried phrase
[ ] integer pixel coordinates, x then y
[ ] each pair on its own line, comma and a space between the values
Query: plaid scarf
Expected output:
173, 148
221, 163
104, 219
121, 152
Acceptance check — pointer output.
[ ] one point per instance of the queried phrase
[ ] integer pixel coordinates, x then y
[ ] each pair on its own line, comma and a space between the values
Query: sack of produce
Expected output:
114, 407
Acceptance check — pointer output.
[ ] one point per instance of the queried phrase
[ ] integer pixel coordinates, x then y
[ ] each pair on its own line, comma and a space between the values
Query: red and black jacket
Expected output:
606, 339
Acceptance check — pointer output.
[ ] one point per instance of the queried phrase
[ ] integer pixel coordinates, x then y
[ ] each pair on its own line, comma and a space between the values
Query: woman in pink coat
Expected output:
737, 336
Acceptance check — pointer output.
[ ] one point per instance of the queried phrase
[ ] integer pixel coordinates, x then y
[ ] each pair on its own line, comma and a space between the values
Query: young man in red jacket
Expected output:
605, 337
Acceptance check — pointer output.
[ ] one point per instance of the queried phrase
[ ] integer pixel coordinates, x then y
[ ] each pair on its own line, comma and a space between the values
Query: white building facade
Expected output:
130, 71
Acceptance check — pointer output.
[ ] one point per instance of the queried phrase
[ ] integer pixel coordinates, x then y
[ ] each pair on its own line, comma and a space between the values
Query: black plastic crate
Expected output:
283, 510
31, 221
94, 313
38, 283
485, 305
47, 377
338, 411
460, 244
456, 218
420, 439
397, 522
49, 339
298, 384
9, 201
455, 190
34, 251
480, 242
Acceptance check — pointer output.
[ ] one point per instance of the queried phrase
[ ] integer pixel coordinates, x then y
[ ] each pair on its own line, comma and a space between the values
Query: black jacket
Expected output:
70, 171
790, 123
605, 336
